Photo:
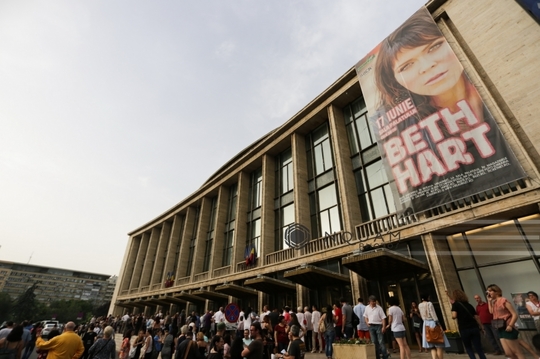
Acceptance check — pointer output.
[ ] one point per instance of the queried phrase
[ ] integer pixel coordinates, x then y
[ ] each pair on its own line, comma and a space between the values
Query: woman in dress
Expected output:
504, 312
104, 348
469, 324
281, 338
124, 349
138, 343
167, 348
416, 324
12, 345
201, 343
329, 320
427, 312
395, 323
216, 348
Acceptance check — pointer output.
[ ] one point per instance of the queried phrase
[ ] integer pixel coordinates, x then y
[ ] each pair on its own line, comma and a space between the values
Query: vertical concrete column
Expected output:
350, 207
129, 264
301, 196
202, 232
139, 262
186, 238
150, 258
219, 234
174, 242
443, 272
267, 207
161, 254
124, 278
241, 219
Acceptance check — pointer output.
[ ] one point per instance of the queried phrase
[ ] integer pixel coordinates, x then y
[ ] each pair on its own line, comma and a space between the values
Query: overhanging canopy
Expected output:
188, 297
210, 295
382, 262
236, 290
315, 277
269, 285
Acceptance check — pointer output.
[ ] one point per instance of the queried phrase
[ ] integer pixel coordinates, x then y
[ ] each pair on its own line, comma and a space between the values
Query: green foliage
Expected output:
68, 310
6, 304
26, 305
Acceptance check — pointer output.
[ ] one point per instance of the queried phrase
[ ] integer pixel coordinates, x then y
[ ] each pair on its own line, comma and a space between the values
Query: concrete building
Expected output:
323, 170
55, 283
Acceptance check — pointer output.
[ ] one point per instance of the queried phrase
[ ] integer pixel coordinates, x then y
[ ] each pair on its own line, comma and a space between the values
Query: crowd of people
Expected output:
282, 333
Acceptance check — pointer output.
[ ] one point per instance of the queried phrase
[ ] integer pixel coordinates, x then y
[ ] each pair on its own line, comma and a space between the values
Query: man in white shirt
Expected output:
264, 313
219, 317
309, 329
362, 327
317, 336
376, 320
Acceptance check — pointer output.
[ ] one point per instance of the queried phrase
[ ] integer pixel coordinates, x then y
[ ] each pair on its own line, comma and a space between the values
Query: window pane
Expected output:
364, 208
460, 252
325, 223
353, 141
375, 174
327, 153
327, 197
363, 132
496, 243
319, 164
358, 107
288, 214
319, 134
531, 227
379, 203
334, 219
512, 277
389, 199
360, 184
471, 284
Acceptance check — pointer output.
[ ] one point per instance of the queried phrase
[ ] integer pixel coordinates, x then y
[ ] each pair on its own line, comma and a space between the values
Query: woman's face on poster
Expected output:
428, 70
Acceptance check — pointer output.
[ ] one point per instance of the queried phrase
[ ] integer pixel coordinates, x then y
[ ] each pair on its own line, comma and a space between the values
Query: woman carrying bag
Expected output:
469, 324
433, 336
104, 348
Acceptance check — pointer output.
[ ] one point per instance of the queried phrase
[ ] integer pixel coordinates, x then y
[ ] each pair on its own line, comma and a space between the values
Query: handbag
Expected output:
416, 324
322, 325
132, 352
498, 323
434, 335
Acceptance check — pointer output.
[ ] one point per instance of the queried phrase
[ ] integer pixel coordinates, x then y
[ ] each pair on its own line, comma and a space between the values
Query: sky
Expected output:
112, 112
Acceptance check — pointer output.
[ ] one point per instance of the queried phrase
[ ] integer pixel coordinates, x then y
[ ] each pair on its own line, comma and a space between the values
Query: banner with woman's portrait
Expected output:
438, 140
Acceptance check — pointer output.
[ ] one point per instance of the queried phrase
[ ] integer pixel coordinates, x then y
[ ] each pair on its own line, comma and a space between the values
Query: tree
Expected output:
26, 306
6, 304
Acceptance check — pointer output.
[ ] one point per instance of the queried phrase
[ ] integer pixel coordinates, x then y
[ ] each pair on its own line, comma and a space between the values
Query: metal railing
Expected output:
280, 256
219, 272
201, 276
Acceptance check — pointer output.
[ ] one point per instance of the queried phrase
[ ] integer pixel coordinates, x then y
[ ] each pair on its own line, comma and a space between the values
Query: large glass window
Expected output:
229, 226
374, 193
254, 215
210, 236
284, 200
499, 254
323, 196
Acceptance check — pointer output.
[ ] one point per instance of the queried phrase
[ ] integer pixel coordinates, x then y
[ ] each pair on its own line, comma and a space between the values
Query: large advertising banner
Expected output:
438, 140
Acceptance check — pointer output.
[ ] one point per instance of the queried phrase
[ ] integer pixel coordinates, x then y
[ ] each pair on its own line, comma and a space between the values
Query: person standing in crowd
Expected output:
533, 307
256, 347
146, 352
32, 344
5, 331
281, 339
317, 335
126, 346
187, 349
301, 318
504, 312
469, 324
362, 328
297, 349
339, 320
12, 345
417, 326
167, 348
427, 312
395, 324
346, 320
67, 345
376, 320
264, 313
329, 321
482, 310
104, 348
216, 348
88, 339
309, 329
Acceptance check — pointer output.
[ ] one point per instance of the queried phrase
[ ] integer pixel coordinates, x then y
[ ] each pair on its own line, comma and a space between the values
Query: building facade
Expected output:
55, 283
231, 240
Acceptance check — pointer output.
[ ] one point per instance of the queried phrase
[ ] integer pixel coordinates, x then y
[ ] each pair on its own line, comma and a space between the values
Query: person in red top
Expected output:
482, 310
339, 322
